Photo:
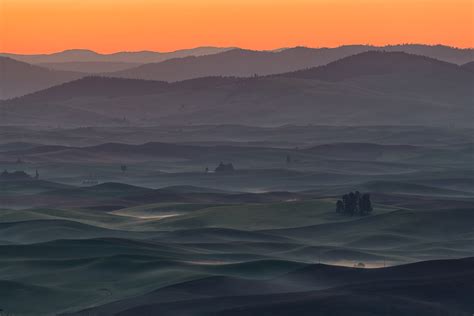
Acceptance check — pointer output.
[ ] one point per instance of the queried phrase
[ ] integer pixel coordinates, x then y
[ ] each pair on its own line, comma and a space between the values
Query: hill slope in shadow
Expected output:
246, 63
420, 289
19, 78
371, 88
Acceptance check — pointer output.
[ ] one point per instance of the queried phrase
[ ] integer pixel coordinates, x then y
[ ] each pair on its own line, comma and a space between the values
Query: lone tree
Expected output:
354, 203
123, 168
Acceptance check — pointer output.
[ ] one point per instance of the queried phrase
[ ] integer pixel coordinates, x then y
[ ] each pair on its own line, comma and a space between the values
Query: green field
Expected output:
164, 237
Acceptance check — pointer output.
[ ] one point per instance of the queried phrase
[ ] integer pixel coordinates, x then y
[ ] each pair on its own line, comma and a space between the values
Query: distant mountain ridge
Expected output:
85, 55
92, 67
192, 63
442, 52
373, 63
19, 78
364, 89
247, 63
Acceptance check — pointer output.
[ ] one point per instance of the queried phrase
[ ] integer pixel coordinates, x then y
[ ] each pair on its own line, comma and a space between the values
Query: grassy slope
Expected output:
210, 240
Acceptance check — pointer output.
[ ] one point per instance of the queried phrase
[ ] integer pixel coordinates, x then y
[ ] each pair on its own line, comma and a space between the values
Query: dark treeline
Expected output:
17, 175
354, 203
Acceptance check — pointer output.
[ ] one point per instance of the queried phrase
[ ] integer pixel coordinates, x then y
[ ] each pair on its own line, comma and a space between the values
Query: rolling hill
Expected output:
97, 87
419, 289
372, 88
131, 250
84, 55
125, 211
246, 63
91, 67
236, 62
469, 66
19, 78
115, 152
25, 74
198, 62
379, 63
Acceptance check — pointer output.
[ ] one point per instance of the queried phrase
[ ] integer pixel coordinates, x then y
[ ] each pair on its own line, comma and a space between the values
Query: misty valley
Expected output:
233, 182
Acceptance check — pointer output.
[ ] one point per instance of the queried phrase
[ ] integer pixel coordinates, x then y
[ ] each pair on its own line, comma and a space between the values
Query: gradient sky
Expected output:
44, 26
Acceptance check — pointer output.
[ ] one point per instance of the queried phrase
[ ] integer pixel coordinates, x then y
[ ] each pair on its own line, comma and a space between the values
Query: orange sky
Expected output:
43, 26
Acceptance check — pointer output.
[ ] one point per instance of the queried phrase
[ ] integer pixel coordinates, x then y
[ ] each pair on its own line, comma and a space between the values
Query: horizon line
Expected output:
229, 48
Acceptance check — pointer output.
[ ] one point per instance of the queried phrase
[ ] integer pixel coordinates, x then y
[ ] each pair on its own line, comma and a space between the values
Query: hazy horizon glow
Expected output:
45, 26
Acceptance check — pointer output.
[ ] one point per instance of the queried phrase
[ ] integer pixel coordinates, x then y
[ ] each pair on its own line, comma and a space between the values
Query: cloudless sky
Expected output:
44, 26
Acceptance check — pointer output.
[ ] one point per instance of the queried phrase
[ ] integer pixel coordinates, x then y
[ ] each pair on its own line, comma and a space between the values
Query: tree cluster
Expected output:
354, 203
16, 175
222, 167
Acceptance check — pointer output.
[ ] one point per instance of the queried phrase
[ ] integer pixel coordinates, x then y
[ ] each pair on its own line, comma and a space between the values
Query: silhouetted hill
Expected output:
372, 88
237, 62
205, 61
441, 52
246, 63
378, 63
399, 74
90, 87
85, 55
91, 67
469, 66
19, 78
